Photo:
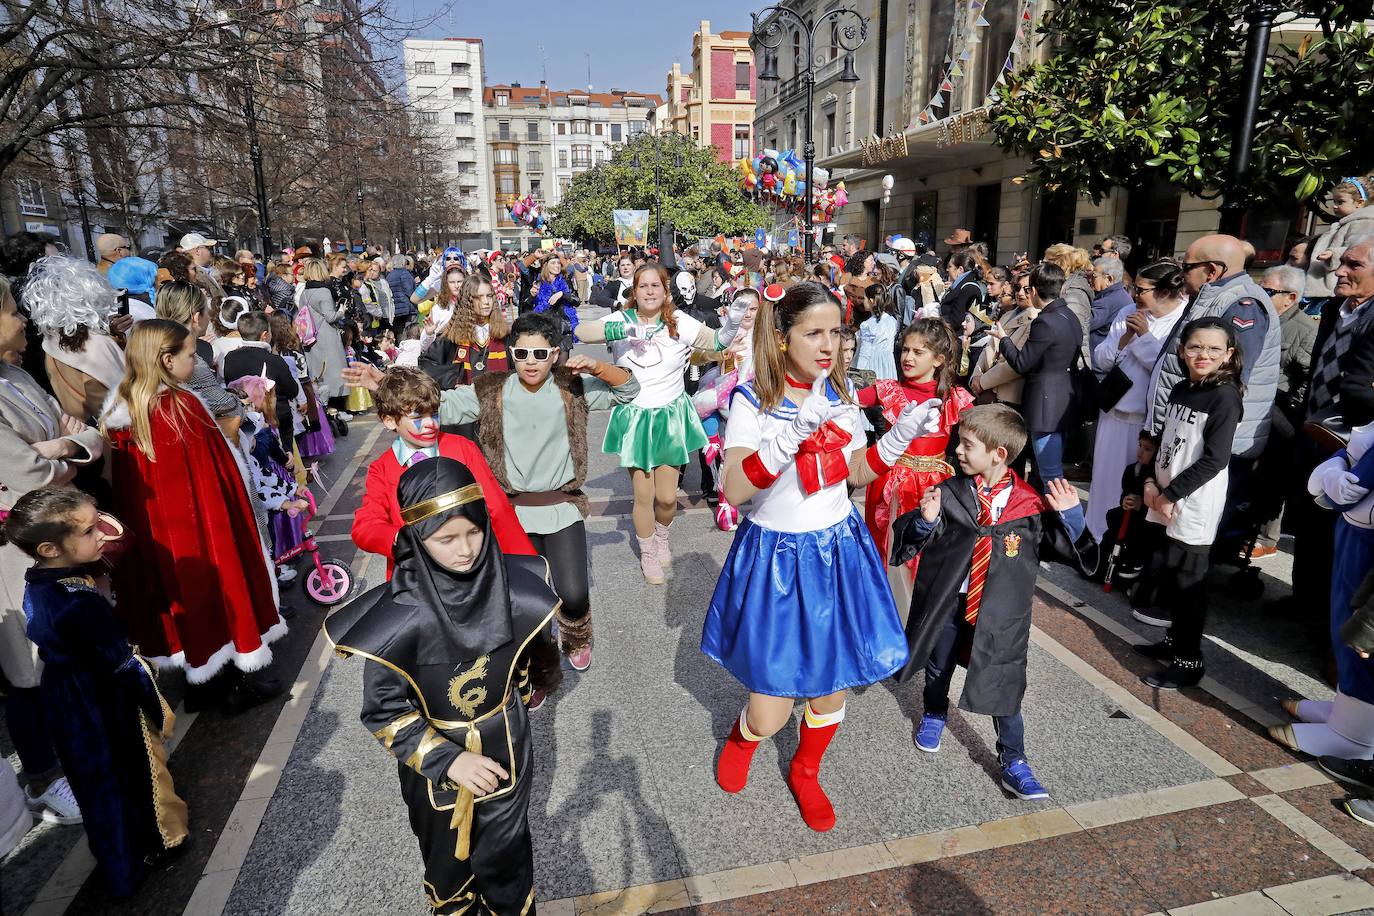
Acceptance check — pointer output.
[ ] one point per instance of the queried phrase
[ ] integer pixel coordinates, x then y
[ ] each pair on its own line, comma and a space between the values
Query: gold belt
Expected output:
461, 820
925, 463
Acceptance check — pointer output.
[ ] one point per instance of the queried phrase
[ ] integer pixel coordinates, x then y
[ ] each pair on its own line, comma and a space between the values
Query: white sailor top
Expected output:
785, 505
658, 361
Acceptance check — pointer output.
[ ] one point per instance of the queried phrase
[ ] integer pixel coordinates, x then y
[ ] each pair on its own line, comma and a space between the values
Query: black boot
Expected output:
246, 691
1180, 673
1162, 651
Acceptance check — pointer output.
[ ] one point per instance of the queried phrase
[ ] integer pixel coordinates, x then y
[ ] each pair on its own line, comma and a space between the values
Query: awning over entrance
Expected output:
959, 141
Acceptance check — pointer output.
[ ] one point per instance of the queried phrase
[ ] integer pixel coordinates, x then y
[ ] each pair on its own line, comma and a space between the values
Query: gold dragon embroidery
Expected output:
470, 700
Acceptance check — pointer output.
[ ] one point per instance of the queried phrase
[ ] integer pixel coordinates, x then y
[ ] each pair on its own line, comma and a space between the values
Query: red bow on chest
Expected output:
820, 459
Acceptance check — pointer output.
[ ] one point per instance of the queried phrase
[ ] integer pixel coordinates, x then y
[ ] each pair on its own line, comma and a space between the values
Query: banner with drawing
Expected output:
631, 227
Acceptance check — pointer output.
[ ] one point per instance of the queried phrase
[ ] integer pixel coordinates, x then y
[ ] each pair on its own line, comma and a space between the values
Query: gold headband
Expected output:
431, 507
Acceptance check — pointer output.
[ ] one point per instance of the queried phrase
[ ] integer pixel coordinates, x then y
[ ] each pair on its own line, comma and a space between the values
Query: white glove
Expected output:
814, 411
734, 317
916, 420
1323, 479
435, 270
1347, 490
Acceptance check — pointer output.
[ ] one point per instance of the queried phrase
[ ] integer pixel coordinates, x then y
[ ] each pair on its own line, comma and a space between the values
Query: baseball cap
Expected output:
195, 240
904, 247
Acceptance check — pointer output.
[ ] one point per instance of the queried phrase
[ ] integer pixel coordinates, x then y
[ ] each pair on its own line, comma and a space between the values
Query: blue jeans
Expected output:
1047, 463
1011, 730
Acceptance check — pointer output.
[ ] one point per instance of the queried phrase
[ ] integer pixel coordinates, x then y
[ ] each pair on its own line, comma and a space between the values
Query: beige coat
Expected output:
22, 469
992, 371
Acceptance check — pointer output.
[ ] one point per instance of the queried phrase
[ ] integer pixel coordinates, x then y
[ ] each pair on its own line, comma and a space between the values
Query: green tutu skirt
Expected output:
651, 437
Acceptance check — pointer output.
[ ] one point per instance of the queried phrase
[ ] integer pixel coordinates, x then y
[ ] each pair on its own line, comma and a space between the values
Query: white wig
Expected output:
63, 294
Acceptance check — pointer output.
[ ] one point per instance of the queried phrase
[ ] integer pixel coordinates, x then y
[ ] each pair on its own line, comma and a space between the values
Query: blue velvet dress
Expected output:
107, 720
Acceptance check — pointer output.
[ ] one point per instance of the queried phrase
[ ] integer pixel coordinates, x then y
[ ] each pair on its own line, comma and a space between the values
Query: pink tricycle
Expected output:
331, 580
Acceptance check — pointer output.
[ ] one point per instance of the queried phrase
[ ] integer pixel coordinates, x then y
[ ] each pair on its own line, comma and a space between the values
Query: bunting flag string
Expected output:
964, 36
1020, 45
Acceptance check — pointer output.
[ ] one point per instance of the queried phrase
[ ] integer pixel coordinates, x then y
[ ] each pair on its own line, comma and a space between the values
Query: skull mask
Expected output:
684, 288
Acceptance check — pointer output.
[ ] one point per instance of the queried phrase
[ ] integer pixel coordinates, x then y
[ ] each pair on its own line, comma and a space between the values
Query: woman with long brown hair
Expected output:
474, 343
654, 434
802, 609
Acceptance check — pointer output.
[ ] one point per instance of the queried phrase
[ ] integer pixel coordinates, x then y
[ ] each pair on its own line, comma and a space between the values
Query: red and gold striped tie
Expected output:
982, 548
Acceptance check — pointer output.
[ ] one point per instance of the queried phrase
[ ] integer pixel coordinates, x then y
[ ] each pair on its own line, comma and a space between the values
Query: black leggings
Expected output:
566, 551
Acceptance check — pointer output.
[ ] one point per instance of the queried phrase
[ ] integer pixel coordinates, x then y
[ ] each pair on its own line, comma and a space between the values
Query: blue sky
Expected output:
632, 44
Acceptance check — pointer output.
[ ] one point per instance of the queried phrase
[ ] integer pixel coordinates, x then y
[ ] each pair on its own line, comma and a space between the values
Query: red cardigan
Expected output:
379, 517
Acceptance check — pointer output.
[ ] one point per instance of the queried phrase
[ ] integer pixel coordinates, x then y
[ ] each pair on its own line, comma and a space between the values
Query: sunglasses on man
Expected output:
537, 354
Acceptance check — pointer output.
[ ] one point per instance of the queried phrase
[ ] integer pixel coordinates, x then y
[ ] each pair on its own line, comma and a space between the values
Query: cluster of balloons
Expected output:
780, 178
527, 212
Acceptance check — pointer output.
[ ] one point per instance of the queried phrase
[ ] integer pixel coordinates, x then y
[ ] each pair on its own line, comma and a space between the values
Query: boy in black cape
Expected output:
455, 645
980, 535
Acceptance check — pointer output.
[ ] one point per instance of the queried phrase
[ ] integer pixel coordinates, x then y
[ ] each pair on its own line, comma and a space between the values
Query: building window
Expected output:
696, 133
741, 141
505, 157
579, 127
462, 119
615, 133
792, 133
464, 143
562, 159
828, 138
796, 52
535, 161
598, 129
462, 95
31, 201
742, 76
562, 129
600, 154
503, 130
532, 130
429, 117
636, 128
581, 156
459, 69
834, 39
537, 189
507, 184
424, 68
502, 99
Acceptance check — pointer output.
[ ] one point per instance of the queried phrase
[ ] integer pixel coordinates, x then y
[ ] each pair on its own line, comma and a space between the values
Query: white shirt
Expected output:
1137, 360
785, 506
658, 361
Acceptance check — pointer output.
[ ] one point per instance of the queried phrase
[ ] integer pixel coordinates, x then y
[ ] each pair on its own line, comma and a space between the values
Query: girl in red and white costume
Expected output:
928, 361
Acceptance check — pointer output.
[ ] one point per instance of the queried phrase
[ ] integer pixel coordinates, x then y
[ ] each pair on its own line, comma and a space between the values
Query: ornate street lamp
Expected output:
770, 29
658, 190
1260, 18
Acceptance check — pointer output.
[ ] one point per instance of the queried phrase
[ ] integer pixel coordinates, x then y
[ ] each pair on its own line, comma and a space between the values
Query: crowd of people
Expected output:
162, 413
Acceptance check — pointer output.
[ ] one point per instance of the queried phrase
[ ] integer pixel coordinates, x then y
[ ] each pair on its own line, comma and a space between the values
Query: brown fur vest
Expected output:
492, 438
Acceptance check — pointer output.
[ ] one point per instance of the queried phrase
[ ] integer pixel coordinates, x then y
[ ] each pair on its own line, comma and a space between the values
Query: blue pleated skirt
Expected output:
804, 614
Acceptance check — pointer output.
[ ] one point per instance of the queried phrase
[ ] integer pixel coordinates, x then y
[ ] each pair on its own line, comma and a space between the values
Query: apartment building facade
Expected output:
714, 104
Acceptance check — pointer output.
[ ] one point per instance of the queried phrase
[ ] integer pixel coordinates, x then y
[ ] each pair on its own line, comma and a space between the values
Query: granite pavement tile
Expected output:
1221, 850
1248, 784
1322, 804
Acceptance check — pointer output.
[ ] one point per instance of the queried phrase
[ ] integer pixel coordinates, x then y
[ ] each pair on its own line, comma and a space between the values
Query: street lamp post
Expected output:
362, 219
769, 30
1261, 21
658, 188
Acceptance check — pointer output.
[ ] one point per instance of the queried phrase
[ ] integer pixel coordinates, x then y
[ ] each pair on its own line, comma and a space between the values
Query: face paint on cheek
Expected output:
424, 429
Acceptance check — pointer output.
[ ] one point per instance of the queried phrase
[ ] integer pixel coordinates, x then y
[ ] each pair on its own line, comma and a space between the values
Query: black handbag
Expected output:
1112, 387
1084, 383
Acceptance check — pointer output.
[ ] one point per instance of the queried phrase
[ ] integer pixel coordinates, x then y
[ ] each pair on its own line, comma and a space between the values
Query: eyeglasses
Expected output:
1194, 265
537, 354
1271, 293
1143, 289
1199, 350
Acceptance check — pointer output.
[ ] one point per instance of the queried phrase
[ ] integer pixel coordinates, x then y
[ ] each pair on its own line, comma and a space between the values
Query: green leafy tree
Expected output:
1137, 90
701, 198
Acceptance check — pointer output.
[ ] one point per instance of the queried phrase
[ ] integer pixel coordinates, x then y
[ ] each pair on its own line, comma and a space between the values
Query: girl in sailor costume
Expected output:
802, 609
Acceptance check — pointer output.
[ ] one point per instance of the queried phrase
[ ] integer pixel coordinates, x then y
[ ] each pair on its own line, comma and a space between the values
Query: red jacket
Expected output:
379, 517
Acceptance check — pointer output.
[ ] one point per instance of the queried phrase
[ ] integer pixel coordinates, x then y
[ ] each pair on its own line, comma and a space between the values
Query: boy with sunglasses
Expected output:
533, 433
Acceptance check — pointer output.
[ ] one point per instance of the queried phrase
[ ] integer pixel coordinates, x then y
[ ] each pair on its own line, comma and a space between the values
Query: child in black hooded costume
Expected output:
455, 644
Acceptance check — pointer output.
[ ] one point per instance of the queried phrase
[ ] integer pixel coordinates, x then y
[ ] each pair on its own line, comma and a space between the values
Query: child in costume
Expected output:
195, 591
802, 609
1344, 727
455, 647
1188, 494
929, 358
106, 717
408, 405
534, 437
712, 400
980, 536
654, 435
1140, 537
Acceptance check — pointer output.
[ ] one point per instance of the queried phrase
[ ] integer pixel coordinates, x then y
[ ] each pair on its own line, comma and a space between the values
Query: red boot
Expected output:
732, 766
816, 732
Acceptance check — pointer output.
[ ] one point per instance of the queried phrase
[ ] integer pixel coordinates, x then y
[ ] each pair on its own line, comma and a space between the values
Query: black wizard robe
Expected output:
996, 679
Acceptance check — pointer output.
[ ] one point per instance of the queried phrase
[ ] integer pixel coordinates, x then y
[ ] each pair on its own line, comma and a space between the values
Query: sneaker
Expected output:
1152, 616
1018, 779
1361, 809
581, 660
343, 416
1357, 773
537, 699
57, 803
285, 574
1261, 551
928, 733
1129, 572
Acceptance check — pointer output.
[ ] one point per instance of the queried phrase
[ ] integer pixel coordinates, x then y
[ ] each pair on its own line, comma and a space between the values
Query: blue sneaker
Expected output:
928, 733
1018, 779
